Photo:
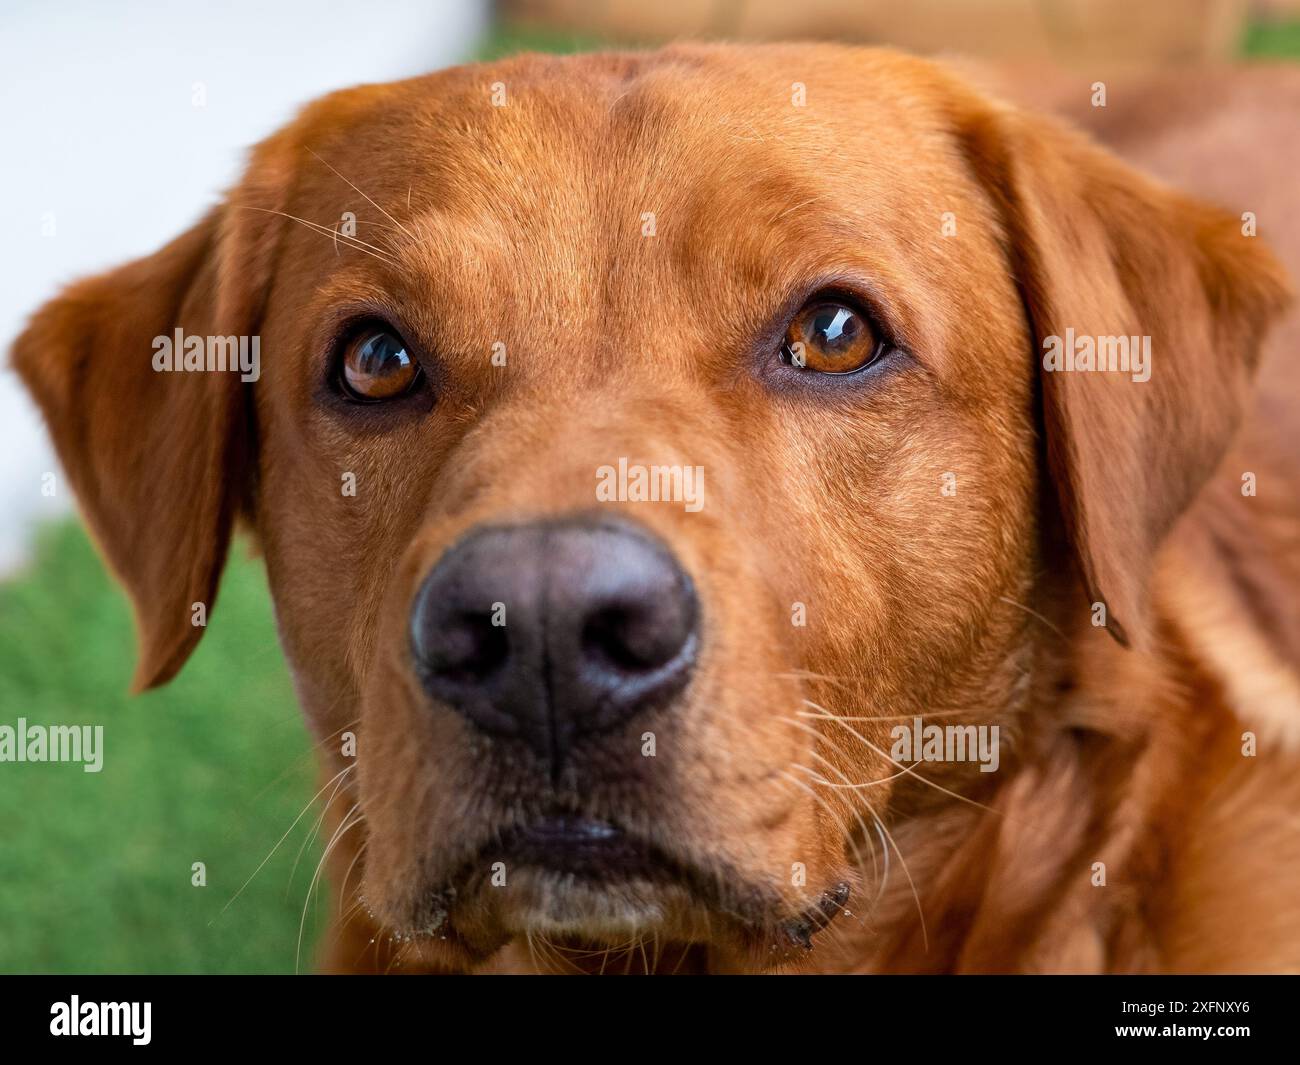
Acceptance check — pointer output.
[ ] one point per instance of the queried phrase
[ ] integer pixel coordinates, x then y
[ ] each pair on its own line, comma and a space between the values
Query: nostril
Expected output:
467, 649
636, 637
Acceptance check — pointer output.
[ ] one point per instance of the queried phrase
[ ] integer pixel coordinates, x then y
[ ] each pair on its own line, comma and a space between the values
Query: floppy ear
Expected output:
1103, 251
158, 460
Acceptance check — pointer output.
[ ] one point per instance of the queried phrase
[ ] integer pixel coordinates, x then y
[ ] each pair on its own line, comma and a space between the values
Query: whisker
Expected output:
311, 751
1033, 614
372, 202
344, 826
884, 848
343, 887
330, 231
820, 738
794, 207
834, 815
377, 225
905, 717
315, 831
374, 251
910, 770
920, 910
866, 833
277, 846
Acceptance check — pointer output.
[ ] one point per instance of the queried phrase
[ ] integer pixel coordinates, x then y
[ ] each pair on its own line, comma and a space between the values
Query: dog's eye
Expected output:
830, 337
376, 366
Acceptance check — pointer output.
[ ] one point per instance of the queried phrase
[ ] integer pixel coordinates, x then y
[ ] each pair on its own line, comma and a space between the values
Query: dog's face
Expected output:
658, 666
800, 293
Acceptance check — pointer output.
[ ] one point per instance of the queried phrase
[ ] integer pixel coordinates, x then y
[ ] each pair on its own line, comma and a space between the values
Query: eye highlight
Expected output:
375, 365
830, 336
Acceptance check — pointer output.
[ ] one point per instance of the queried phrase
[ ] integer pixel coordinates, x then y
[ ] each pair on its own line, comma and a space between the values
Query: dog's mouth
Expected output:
589, 879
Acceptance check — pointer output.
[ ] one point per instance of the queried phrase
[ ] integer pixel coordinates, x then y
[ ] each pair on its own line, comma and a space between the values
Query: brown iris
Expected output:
377, 366
829, 337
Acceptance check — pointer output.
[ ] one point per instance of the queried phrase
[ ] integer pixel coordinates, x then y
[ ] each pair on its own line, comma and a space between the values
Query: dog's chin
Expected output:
556, 904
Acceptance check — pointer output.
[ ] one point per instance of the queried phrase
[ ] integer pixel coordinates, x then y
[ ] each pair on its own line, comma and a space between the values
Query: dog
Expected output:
740, 508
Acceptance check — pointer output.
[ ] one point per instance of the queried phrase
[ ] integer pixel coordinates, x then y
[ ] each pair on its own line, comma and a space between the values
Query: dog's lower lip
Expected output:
582, 846
565, 829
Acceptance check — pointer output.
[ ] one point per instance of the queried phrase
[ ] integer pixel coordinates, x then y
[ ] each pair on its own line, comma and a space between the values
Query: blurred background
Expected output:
123, 122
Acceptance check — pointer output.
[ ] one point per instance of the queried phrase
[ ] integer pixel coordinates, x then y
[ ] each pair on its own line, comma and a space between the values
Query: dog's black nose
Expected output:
555, 630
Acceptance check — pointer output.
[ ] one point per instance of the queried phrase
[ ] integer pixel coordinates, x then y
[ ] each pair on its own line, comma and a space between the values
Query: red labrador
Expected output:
751, 507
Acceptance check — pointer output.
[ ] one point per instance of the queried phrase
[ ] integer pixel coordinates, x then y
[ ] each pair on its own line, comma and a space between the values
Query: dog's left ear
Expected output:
158, 459
1101, 251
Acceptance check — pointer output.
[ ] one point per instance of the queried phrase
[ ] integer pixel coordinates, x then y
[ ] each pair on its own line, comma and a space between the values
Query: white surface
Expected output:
100, 131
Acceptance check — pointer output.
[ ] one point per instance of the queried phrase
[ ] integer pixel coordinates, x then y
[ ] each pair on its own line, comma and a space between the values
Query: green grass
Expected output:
1259, 40
95, 868
508, 40
1272, 40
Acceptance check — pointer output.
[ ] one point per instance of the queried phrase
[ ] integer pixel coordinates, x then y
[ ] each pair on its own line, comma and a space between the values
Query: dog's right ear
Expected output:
159, 460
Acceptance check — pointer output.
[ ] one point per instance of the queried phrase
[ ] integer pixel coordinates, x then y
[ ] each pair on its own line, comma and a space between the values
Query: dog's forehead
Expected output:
579, 143
562, 186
